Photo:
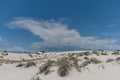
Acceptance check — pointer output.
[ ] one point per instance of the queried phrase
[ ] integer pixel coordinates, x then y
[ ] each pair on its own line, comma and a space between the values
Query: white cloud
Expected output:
56, 34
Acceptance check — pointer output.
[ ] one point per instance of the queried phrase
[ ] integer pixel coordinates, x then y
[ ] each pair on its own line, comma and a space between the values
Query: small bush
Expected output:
4, 53
30, 55
116, 53
118, 59
95, 61
1, 57
109, 60
86, 53
85, 63
20, 65
45, 67
103, 53
95, 52
86, 58
29, 64
64, 67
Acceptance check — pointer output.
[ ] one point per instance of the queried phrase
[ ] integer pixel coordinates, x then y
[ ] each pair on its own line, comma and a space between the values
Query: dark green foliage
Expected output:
29, 64
109, 60
85, 63
95, 61
116, 53
20, 65
64, 67
45, 67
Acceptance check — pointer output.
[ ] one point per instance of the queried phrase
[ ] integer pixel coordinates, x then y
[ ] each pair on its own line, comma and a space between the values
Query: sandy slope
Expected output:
102, 71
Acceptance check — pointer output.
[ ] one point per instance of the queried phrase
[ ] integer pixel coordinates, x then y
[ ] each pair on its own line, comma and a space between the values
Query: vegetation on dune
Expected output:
85, 63
64, 67
109, 60
29, 64
95, 61
4, 53
20, 65
45, 68
30, 55
116, 53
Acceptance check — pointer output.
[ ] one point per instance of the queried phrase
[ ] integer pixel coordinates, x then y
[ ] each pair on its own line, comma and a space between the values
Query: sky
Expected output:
59, 25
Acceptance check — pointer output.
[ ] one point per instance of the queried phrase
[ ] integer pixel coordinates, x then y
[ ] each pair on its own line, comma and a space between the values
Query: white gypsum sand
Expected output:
109, 70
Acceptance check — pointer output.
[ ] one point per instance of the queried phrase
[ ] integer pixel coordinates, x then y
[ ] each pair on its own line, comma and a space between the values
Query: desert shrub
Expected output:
37, 53
118, 59
86, 53
42, 51
75, 62
45, 67
109, 60
95, 52
116, 53
101, 50
30, 55
87, 58
20, 65
64, 67
4, 53
1, 57
29, 64
95, 61
103, 53
85, 63
71, 54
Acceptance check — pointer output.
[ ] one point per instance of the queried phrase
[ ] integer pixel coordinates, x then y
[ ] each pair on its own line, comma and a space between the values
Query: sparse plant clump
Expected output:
103, 53
109, 60
85, 63
1, 57
4, 53
86, 53
29, 64
20, 65
118, 59
87, 58
101, 50
45, 67
64, 67
116, 53
95, 61
95, 52
75, 63
30, 55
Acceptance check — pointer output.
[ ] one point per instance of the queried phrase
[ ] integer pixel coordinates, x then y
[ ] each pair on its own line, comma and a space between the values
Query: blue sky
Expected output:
59, 25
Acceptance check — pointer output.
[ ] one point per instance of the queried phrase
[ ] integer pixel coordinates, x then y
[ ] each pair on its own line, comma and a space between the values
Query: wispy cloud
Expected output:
57, 34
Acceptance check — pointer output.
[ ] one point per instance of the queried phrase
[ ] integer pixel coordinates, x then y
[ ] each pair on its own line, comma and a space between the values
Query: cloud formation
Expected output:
56, 34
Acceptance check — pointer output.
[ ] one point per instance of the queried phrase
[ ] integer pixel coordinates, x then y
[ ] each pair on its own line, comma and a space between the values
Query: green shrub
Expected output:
95, 61
87, 58
29, 64
20, 65
116, 53
85, 63
30, 55
103, 53
1, 56
95, 52
64, 67
4, 53
86, 53
45, 67
109, 60
118, 59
